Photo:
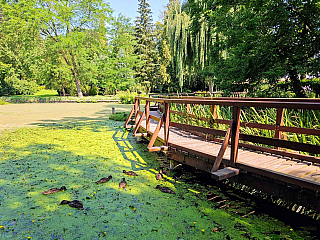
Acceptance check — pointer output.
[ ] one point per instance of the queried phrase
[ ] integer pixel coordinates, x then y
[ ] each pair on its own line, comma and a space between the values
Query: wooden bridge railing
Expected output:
278, 142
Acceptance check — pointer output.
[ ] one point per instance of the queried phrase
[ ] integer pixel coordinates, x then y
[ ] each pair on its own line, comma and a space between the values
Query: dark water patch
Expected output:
241, 201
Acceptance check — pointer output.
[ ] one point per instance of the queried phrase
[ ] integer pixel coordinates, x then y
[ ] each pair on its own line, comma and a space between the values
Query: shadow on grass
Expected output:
99, 116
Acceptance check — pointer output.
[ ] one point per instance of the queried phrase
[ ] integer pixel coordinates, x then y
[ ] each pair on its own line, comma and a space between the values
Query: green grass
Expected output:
75, 154
46, 93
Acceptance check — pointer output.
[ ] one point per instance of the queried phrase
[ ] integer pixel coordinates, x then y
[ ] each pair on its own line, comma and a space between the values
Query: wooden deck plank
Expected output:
264, 161
314, 176
302, 173
280, 165
294, 167
255, 158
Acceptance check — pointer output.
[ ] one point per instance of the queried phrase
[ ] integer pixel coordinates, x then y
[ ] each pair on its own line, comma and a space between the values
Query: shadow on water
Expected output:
76, 153
234, 200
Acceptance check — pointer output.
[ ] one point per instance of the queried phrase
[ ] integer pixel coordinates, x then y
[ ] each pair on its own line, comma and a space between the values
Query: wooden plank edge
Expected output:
315, 186
225, 173
158, 149
141, 134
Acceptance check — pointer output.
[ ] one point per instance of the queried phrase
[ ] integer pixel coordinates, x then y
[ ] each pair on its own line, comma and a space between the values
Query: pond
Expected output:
76, 154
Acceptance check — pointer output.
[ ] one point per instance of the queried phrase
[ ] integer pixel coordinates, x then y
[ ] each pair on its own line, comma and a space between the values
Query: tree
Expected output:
76, 28
164, 55
21, 48
145, 48
177, 24
122, 59
265, 40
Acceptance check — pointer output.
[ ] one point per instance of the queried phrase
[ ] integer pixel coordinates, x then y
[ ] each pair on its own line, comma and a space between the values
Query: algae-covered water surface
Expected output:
75, 155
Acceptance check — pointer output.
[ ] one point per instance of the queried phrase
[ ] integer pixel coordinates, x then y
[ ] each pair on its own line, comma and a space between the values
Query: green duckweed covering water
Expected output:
76, 155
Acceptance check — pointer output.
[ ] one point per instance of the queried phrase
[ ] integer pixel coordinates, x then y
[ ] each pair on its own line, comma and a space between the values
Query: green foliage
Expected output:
164, 55
2, 102
67, 47
12, 85
121, 116
126, 97
118, 73
77, 37
20, 49
177, 30
313, 84
244, 44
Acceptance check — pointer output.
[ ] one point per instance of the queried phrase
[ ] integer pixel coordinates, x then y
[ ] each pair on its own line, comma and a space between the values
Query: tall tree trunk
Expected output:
74, 70
75, 74
63, 91
296, 84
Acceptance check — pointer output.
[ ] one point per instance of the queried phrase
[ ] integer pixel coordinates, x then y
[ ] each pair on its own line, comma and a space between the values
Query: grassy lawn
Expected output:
46, 93
77, 153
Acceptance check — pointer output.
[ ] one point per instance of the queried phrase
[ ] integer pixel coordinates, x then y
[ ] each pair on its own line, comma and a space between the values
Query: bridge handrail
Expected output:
237, 104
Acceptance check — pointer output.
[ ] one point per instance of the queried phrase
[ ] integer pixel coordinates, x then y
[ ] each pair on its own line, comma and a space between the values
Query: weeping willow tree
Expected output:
177, 29
192, 39
205, 39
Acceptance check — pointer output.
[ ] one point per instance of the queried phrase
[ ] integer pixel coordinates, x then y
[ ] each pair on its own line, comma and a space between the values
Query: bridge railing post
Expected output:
213, 111
166, 121
136, 109
147, 109
235, 134
279, 122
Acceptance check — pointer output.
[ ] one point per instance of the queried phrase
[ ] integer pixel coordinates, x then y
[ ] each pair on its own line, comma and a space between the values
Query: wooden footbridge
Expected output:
273, 165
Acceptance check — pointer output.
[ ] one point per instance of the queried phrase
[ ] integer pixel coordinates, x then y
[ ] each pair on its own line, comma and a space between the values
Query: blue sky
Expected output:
130, 7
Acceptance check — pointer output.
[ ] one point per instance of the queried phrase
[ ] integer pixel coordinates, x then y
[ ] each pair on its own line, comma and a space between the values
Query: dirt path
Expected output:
21, 115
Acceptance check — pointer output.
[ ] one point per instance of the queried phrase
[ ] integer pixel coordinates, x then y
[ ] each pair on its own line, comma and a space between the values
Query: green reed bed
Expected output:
291, 118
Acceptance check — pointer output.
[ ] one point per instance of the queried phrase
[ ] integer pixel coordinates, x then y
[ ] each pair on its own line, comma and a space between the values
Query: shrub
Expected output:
127, 97
314, 84
94, 90
121, 116
12, 85
2, 102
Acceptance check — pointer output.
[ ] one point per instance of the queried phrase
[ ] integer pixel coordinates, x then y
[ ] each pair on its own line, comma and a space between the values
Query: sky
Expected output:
129, 8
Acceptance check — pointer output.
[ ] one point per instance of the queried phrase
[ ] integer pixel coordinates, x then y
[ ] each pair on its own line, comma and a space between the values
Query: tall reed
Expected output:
291, 118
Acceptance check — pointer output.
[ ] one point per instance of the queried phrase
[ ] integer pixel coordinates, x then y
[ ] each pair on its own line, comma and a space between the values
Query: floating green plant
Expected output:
76, 155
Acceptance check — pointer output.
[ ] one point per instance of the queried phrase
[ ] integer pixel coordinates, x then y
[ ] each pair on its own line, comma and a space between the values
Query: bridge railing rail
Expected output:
277, 144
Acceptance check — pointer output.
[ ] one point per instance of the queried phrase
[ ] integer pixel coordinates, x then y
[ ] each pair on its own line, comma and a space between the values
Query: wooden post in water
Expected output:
235, 135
